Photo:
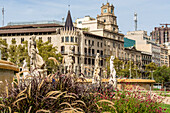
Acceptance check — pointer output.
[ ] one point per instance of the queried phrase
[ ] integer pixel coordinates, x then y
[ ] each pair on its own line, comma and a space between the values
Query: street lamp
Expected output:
130, 70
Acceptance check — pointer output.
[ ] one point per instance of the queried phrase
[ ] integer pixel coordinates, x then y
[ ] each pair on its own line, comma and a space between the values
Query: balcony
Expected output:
63, 52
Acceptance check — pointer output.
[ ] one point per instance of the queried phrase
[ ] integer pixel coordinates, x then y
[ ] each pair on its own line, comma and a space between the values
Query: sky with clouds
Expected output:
150, 12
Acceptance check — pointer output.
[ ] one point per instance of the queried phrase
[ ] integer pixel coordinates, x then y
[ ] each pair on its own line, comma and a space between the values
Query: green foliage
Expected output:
150, 67
167, 107
128, 101
63, 94
162, 74
47, 50
3, 48
17, 53
117, 65
13, 55
13, 41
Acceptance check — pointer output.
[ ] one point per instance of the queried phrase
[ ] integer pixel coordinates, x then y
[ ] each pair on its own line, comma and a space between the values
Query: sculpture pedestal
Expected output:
7, 70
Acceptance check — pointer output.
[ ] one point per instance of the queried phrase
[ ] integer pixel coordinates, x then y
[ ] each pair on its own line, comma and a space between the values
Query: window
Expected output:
85, 42
101, 62
72, 39
78, 49
40, 39
66, 39
13, 41
62, 49
93, 51
118, 38
49, 39
80, 22
104, 20
93, 61
101, 52
89, 61
89, 42
97, 44
78, 61
98, 51
62, 39
76, 40
85, 60
114, 44
89, 51
92, 42
22, 40
118, 46
85, 50
101, 44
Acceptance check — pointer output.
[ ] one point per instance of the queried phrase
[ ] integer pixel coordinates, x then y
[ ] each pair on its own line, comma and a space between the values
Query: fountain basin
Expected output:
7, 71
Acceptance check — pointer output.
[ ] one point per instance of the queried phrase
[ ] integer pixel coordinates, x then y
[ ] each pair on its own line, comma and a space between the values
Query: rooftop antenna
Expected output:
3, 12
136, 21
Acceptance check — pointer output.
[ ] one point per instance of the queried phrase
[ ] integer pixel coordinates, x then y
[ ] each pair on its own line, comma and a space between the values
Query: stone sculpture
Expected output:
24, 68
36, 61
96, 77
112, 80
70, 61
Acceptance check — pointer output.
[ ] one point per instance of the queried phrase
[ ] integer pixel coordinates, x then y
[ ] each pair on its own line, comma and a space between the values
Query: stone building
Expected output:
164, 56
161, 34
104, 39
131, 54
144, 44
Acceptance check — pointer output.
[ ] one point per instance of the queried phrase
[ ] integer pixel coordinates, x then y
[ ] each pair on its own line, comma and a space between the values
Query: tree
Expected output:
150, 68
13, 55
17, 53
117, 65
3, 48
126, 71
47, 50
162, 74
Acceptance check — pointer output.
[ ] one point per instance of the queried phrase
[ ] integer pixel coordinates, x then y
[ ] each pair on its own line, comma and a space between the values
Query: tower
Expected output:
3, 11
69, 37
135, 19
108, 18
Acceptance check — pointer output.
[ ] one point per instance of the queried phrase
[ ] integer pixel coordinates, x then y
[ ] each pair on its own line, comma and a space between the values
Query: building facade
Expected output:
144, 44
103, 37
161, 34
164, 57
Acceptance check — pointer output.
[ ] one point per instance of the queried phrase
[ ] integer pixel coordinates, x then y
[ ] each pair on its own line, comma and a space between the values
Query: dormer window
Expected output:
104, 10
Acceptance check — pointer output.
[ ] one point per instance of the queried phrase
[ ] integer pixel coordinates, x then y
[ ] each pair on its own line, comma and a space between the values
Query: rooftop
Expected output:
35, 22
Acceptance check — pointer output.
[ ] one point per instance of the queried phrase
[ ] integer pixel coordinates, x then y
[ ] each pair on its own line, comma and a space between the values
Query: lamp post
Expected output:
130, 70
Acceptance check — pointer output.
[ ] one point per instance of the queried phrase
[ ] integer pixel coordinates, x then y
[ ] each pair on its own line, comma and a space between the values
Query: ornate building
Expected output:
94, 36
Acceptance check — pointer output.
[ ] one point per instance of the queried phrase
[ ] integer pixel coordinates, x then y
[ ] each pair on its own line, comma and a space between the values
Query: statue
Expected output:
96, 77
70, 59
24, 68
112, 73
36, 61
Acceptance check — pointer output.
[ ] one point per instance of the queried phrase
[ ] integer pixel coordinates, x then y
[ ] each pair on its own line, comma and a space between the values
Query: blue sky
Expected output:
150, 12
